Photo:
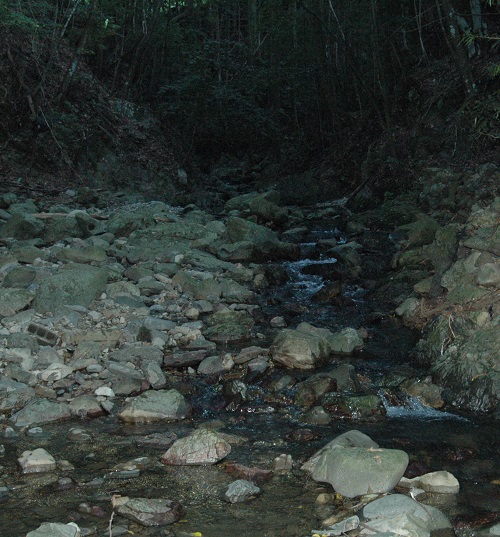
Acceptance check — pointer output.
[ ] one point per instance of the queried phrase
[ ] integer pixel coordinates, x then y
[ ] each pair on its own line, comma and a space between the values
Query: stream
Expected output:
265, 426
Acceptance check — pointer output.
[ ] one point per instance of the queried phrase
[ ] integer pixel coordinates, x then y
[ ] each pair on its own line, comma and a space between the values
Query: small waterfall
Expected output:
304, 286
412, 407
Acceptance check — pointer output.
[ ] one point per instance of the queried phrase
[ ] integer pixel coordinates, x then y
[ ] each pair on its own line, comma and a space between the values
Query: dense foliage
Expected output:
255, 77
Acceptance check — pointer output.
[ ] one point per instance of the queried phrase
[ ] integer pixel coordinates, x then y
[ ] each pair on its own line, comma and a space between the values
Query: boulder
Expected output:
13, 300
36, 461
345, 342
351, 438
401, 515
55, 529
162, 405
229, 325
203, 446
78, 285
306, 347
241, 491
441, 482
40, 411
150, 511
357, 471
22, 227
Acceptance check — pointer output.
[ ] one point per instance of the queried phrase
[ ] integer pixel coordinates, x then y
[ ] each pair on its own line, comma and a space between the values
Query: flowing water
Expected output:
467, 446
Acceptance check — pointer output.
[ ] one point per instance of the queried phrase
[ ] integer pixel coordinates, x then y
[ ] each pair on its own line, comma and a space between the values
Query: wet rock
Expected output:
157, 440
55, 529
283, 464
441, 482
36, 461
151, 512
241, 491
356, 407
346, 341
252, 474
429, 394
150, 406
312, 388
40, 411
404, 516
306, 347
351, 438
470, 368
203, 446
356, 471
317, 416
340, 528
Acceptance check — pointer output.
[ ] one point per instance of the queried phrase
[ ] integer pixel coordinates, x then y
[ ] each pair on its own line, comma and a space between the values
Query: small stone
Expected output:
241, 491
104, 391
282, 464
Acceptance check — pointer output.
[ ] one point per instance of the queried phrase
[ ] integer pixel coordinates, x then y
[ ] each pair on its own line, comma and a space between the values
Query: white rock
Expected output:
439, 482
36, 461
56, 372
282, 464
104, 391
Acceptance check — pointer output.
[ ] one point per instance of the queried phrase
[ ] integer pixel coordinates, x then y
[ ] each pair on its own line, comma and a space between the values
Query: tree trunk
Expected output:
458, 52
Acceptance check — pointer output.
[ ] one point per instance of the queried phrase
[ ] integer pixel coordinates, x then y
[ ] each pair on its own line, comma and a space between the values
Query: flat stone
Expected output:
404, 516
79, 285
13, 300
241, 491
151, 512
55, 529
162, 405
40, 411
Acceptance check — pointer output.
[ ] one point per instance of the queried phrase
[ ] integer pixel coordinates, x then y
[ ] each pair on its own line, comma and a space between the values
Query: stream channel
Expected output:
268, 425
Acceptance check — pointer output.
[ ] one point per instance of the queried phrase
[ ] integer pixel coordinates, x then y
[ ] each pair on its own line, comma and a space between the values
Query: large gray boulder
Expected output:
162, 405
78, 285
40, 411
306, 347
22, 227
403, 516
203, 446
357, 471
352, 438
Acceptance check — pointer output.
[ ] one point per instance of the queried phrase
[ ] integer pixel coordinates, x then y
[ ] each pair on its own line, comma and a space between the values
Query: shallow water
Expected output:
467, 446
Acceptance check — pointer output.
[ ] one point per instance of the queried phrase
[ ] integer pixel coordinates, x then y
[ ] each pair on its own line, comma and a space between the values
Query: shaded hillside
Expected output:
357, 95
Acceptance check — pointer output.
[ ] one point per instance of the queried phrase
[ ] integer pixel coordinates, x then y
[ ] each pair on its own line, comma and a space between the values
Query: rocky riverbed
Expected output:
158, 378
